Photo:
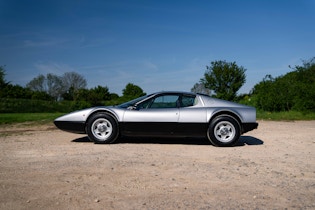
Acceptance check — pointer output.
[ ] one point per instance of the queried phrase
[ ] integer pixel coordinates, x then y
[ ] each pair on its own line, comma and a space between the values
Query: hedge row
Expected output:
8, 105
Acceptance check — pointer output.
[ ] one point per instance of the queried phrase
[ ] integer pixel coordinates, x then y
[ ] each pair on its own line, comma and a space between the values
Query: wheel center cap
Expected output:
101, 128
224, 131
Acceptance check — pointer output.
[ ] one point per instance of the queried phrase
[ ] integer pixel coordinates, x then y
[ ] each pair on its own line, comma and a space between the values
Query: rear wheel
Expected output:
224, 131
102, 128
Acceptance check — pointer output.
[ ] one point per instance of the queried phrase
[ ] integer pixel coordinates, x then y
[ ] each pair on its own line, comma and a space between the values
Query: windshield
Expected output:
132, 102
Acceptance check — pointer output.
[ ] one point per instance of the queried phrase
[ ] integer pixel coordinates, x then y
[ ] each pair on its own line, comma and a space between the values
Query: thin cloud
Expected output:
42, 43
55, 68
86, 42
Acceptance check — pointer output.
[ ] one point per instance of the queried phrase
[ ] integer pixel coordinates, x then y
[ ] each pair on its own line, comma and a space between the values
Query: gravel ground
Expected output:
272, 167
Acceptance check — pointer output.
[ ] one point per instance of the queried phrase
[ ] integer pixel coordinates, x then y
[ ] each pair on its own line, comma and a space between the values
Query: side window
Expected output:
188, 100
144, 105
165, 101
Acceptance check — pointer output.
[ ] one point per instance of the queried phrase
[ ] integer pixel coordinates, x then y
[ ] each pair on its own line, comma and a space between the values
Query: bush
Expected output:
9, 105
293, 91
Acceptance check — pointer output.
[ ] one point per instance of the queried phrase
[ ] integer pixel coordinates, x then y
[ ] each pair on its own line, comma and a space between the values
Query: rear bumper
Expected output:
249, 126
73, 127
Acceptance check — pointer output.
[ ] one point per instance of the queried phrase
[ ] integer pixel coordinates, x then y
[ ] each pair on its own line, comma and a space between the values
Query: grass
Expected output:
9, 118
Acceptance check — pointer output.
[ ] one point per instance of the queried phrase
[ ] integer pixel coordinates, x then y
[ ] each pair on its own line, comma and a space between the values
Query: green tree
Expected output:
114, 96
15, 91
266, 93
73, 79
50, 84
8, 90
3, 83
304, 89
54, 86
81, 95
69, 94
58, 87
224, 78
200, 88
40, 95
37, 84
132, 91
98, 95
72, 82
292, 91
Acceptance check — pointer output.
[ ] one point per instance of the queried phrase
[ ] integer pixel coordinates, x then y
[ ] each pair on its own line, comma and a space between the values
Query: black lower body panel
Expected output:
70, 126
249, 126
163, 129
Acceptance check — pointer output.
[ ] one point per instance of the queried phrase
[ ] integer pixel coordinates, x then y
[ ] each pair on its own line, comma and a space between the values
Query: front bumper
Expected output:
249, 126
70, 126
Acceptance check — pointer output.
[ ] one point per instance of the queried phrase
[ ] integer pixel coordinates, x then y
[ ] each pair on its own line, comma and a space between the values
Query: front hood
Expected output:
82, 115
79, 116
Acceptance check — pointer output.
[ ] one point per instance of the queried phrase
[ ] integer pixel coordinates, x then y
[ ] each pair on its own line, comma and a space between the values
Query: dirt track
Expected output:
273, 167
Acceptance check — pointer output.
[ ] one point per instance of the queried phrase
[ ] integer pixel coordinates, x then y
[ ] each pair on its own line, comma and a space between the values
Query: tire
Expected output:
224, 131
102, 128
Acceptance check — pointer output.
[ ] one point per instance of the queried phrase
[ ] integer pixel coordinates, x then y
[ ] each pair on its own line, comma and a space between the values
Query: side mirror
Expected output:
134, 107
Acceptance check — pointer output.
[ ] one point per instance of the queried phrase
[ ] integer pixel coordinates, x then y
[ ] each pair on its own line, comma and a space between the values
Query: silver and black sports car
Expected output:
164, 114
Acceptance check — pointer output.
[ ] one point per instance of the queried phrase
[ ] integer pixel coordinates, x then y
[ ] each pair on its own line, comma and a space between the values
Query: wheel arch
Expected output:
229, 114
101, 111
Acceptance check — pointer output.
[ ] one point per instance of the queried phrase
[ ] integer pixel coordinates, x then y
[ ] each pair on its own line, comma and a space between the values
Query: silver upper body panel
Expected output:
201, 111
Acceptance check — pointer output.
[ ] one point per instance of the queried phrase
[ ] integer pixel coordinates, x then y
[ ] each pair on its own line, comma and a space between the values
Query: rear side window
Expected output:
188, 100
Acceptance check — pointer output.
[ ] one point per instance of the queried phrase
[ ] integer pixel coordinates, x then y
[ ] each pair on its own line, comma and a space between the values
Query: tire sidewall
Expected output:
113, 122
211, 136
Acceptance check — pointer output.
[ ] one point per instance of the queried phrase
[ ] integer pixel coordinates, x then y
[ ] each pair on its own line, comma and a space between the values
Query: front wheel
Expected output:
102, 128
223, 131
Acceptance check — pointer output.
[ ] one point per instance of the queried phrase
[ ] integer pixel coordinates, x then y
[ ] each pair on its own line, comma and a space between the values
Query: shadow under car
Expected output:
244, 140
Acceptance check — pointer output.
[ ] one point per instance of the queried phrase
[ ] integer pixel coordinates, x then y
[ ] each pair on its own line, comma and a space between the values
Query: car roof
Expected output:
174, 92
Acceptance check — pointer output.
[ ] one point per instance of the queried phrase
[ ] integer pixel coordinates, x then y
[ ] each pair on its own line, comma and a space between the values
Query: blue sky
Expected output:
155, 44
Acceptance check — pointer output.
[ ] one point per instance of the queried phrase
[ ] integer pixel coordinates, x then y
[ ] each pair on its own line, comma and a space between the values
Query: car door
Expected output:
156, 116
192, 119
